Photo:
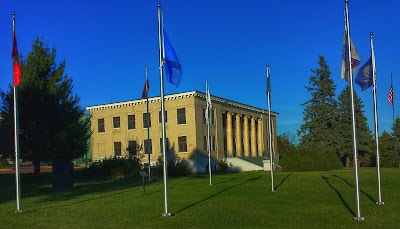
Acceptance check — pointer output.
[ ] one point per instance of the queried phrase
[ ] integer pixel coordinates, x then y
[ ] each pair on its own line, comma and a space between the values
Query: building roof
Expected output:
179, 96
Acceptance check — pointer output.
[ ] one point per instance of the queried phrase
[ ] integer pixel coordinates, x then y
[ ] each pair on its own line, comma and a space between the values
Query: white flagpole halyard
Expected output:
270, 128
148, 122
208, 116
357, 189
376, 120
164, 148
16, 133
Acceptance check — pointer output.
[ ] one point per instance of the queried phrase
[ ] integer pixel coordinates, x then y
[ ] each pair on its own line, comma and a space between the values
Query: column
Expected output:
238, 137
246, 136
253, 137
260, 137
229, 136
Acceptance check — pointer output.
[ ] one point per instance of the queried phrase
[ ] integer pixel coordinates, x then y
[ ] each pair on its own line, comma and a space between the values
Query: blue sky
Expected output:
107, 45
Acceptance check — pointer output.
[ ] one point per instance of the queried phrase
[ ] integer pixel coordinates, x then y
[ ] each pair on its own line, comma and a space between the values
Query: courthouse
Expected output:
236, 130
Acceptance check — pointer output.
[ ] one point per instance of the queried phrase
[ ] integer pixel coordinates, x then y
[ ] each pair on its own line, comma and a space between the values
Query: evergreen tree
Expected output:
50, 118
320, 112
388, 157
364, 136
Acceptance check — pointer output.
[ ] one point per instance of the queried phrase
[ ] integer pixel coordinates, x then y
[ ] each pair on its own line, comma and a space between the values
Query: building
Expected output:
237, 130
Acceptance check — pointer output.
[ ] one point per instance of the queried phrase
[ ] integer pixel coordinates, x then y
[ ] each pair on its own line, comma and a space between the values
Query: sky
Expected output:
107, 44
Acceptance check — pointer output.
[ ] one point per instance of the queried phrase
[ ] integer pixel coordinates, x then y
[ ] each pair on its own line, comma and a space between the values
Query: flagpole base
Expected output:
358, 218
18, 211
167, 214
380, 203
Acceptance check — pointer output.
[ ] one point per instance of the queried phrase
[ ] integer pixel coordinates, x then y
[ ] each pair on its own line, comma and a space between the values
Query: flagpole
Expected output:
208, 129
358, 217
16, 133
161, 59
376, 120
270, 128
148, 123
394, 120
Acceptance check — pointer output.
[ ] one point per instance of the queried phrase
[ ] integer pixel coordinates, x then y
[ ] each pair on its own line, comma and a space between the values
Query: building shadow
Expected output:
283, 181
348, 183
217, 193
326, 179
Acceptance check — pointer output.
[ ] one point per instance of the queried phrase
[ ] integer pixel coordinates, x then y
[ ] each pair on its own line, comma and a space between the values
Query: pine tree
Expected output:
320, 112
50, 118
364, 137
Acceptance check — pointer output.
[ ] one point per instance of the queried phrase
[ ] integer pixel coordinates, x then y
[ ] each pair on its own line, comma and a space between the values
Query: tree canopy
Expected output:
50, 117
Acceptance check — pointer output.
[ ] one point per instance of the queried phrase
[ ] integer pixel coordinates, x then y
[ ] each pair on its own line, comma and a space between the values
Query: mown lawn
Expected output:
236, 200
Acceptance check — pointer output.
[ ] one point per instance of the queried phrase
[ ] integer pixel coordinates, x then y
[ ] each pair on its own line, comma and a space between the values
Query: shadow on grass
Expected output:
215, 194
339, 195
348, 183
283, 181
232, 179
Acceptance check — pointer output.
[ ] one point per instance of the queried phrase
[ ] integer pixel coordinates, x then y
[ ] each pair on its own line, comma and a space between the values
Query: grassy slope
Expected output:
239, 200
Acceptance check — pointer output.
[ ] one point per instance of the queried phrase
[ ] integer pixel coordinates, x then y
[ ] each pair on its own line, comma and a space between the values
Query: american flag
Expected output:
390, 97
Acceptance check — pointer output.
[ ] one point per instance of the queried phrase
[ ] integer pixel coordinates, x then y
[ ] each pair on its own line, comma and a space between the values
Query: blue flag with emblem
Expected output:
364, 76
173, 67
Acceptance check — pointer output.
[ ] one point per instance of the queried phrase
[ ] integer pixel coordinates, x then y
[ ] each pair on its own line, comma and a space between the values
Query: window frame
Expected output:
181, 117
115, 149
131, 122
116, 122
101, 130
182, 144
145, 119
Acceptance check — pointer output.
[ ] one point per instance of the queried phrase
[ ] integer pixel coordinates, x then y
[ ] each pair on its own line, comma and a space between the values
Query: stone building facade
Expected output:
237, 130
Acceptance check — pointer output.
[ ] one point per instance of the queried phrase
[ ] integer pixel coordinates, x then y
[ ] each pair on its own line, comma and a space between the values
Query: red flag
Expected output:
390, 97
16, 67
145, 89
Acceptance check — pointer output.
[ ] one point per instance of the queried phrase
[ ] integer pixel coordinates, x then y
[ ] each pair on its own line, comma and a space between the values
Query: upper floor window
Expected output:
181, 115
146, 120
212, 117
160, 119
100, 125
116, 122
131, 122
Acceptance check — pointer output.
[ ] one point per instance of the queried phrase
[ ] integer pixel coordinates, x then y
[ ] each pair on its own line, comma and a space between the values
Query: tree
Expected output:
388, 157
364, 137
286, 143
50, 118
320, 112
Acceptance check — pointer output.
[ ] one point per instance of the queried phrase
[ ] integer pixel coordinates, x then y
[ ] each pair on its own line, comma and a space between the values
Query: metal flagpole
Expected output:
394, 120
16, 133
161, 59
376, 120
148, 123
270, 128
347, 29
208, 115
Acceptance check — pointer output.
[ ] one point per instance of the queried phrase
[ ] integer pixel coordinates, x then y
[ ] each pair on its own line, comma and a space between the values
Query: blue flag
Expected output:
173, 67
364, 76
268, 81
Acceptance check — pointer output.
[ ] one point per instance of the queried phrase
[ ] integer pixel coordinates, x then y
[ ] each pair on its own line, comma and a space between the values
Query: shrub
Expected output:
3, 163
222, 165
176, 167
115, 167
310, 159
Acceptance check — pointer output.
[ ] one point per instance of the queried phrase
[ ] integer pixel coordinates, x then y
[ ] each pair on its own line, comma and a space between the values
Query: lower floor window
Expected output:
182, 144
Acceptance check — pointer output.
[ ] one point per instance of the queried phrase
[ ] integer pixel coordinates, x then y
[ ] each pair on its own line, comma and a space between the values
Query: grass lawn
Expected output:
236, 200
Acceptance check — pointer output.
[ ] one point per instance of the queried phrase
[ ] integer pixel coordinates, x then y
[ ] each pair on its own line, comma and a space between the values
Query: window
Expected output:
132, 147
181, 114
161, 146
182, 144
117, 149
145, 123
100, 124
116, 122
131, 122
147, 146
212, 146
159, 117
205, 144
211, 117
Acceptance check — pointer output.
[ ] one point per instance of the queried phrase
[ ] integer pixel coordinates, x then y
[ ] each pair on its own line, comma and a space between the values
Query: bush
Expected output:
115, 167
222, 165
3, 163
176, 167
310, 159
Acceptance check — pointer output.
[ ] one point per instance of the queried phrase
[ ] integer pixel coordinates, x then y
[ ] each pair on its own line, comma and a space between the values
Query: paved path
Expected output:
26, 169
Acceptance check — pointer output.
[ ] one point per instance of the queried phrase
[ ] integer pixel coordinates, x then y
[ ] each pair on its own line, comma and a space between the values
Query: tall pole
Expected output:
161, 60
148, 123
394, 120
376, 120
16, 134
208, 116
270, 128
357, 190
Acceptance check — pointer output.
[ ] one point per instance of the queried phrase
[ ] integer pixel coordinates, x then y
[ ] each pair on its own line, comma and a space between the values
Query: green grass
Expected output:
236, 200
